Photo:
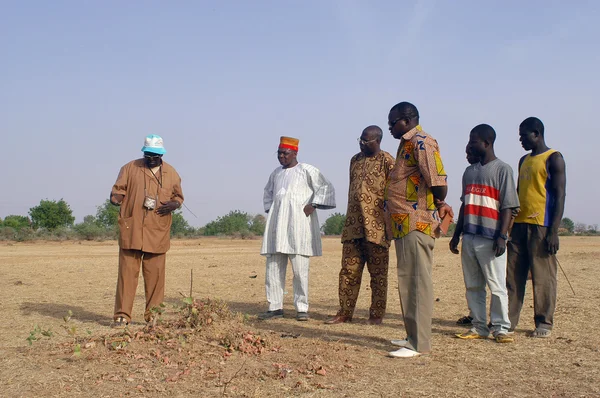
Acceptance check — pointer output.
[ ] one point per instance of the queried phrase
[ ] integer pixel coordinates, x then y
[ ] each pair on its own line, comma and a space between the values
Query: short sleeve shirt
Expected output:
487, 190
409, 201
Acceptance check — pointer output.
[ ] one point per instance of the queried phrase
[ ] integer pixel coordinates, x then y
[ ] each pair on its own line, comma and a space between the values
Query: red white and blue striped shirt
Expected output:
487, 190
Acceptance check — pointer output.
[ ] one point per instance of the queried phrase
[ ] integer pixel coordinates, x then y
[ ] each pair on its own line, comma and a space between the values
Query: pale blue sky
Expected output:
82, 83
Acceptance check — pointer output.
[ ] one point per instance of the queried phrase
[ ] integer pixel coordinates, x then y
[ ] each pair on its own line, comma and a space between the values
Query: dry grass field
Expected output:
240, 356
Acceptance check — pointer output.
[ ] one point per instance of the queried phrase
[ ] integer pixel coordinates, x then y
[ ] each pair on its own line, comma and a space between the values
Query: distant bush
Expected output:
107, 215
93, 231
451, 229
237, 224
16, 222
51, 215
7, 233
334, 224
180, 227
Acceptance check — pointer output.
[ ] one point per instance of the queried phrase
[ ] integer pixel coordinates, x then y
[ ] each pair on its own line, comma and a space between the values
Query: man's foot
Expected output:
302, 316
540, 333
270, 315
120, 323
464, 321
400, 343
504, 338
403, 353
470, 335
338, 319
375, 321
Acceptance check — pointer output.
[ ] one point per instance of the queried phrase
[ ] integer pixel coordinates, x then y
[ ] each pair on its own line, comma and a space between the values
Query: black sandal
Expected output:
465, 320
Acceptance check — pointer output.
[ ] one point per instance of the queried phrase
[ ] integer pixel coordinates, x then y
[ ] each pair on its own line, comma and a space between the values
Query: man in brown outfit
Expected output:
148, 190
363, 236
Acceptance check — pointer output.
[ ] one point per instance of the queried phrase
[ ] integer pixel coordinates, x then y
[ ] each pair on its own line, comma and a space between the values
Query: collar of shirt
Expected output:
411, 133
163, 170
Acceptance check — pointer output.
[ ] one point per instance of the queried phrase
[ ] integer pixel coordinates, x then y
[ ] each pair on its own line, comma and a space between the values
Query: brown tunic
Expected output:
365, 217
140, 228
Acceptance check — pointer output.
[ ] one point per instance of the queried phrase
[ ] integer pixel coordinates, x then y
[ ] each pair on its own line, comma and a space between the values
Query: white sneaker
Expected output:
403, 353
399, 343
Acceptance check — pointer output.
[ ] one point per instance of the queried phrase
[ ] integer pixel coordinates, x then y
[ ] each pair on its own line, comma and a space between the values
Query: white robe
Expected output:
288, 191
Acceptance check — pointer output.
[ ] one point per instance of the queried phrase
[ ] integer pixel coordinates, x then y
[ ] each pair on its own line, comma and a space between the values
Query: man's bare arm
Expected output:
558, 183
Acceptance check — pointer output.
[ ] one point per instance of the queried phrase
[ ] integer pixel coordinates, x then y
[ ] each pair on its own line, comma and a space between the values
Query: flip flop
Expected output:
541, 333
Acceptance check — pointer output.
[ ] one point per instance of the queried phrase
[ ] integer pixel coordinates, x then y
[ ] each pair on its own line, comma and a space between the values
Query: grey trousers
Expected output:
481, 267
415, 287
527, 252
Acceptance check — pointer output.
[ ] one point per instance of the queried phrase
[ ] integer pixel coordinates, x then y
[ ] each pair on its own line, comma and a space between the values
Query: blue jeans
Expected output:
481, 267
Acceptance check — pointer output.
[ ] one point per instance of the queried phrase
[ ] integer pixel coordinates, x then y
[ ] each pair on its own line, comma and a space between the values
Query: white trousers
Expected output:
275, 280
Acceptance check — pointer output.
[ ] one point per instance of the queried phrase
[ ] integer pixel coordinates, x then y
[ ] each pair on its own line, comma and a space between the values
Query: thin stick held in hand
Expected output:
565, 274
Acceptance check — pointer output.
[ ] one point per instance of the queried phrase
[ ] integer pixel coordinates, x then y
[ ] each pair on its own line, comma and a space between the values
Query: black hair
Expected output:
485, 132
406, 109
533, 124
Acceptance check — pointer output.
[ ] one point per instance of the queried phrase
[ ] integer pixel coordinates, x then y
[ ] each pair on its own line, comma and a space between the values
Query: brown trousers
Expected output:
153, 269
415, 287
527, 253
354, 256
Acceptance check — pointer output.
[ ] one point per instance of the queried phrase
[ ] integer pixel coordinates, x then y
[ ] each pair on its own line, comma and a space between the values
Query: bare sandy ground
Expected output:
42, 282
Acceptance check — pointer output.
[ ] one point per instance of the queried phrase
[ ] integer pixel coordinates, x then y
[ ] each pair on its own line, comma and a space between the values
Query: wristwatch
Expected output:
503, 236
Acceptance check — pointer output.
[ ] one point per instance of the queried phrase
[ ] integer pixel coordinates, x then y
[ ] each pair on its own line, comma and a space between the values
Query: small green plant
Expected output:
37, 333
157, 312
72, 331
77, 350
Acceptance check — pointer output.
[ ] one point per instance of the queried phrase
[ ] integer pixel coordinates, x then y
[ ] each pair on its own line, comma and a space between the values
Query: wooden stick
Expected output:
191, 280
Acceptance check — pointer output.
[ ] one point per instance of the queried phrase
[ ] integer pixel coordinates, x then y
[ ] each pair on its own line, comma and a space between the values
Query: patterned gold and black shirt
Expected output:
365, 217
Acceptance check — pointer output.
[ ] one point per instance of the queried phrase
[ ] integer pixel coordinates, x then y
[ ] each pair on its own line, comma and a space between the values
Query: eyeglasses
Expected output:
152, 156
392, 124
363, 142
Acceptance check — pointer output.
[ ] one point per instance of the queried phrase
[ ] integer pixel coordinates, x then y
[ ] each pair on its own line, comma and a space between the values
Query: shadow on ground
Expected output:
392, 327
59, 311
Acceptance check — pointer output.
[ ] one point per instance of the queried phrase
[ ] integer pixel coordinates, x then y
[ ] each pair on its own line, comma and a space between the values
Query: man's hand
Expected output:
454, 244
167, 207
499, 246
116, 199
309, 209
552, 241
445, 209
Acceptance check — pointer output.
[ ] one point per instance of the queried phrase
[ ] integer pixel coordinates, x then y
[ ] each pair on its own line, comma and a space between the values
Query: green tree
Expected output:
107, 214
180, 226
16, 222
235, 221
568, 224
580, 228
257, 225
51, 214
89, 229
334, 224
